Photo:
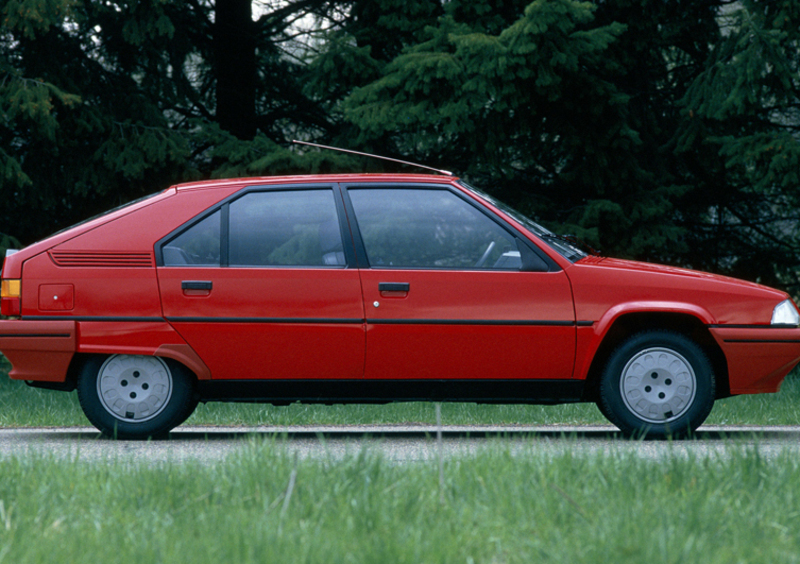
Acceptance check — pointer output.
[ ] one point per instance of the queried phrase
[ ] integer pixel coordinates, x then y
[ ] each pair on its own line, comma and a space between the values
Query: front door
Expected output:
446, 294
262, 288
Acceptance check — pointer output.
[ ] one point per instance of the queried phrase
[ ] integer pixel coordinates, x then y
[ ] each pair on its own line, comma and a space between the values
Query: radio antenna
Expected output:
445, 172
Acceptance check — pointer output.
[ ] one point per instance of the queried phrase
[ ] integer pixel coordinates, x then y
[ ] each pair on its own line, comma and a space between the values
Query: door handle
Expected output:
196, 285
394, 287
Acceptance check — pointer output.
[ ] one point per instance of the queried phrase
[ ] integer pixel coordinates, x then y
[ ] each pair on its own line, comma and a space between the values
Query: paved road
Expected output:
395, 443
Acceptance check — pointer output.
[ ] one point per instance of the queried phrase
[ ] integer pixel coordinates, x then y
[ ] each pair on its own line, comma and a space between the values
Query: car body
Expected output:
373, 288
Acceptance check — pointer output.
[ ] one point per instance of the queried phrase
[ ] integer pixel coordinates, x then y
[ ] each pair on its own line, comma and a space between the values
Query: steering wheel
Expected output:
485, 255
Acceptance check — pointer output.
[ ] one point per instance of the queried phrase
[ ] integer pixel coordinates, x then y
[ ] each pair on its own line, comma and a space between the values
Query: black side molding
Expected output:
282, 392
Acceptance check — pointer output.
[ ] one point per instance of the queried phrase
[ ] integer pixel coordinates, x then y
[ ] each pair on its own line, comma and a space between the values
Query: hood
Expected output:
646, 267
604, 284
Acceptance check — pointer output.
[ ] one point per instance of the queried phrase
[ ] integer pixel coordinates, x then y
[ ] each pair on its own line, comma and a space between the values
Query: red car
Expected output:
373, 288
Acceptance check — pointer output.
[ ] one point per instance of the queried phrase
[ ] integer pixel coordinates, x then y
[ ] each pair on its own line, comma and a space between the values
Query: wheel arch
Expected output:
80, 359
629, 324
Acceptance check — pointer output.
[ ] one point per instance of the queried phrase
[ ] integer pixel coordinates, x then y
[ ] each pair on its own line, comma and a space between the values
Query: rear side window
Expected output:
197, 246
291, 228
261, 229
428, 228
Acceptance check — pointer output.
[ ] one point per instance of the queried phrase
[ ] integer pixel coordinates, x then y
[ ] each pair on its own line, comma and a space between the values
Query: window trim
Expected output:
361, 252
224, 207
196, 220
538, 231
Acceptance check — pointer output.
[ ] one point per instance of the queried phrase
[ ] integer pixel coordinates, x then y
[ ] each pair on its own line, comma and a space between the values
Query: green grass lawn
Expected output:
22, 406
260, 505
497, 505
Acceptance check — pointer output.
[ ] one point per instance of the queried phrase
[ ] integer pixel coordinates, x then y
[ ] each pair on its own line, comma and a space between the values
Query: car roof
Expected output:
316, 178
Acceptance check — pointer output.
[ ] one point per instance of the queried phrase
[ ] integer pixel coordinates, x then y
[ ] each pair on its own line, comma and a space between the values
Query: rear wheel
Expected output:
657, 384
135, 396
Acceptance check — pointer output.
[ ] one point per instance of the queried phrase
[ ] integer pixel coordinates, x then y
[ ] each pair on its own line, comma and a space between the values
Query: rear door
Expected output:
264, 286
451, 292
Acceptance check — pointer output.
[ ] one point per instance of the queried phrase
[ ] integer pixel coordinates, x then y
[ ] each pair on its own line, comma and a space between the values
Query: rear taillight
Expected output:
10, 298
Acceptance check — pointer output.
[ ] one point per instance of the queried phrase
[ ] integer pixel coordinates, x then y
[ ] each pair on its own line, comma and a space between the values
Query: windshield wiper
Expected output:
573, 241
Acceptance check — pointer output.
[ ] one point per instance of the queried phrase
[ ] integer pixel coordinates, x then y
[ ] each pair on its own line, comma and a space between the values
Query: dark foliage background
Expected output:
661, 130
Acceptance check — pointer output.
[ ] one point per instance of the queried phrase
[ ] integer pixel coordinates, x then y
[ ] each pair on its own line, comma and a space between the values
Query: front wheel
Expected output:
657, 384
135, 396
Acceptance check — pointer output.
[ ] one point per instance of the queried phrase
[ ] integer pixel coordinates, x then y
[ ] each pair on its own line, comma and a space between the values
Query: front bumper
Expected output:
759, 357
38, 350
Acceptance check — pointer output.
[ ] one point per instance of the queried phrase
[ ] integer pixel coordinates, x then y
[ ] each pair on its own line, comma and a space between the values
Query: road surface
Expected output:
396, 444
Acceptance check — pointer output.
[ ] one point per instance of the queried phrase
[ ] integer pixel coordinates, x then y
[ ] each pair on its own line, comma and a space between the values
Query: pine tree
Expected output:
545, 107
662, 130
103, 102
77, 134
743, 141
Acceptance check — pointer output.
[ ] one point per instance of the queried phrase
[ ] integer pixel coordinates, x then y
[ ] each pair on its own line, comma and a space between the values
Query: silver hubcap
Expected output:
134, 388
658, 385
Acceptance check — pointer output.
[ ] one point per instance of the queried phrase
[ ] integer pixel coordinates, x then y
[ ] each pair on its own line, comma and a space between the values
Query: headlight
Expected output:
785, 313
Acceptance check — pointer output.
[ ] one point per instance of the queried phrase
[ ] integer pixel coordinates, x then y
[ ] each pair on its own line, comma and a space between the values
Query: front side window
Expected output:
429, 228
562, 244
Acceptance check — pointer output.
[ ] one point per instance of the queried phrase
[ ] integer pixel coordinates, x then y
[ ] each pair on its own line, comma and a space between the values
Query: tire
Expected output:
135, 396
657, 384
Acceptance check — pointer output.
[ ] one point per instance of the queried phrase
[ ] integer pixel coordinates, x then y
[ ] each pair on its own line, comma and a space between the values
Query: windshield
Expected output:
559, 243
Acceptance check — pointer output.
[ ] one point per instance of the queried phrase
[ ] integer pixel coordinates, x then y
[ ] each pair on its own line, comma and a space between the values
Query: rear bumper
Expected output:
759, 358
38, 350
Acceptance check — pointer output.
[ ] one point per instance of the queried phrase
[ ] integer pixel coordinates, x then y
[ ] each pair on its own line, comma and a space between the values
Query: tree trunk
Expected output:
234, 47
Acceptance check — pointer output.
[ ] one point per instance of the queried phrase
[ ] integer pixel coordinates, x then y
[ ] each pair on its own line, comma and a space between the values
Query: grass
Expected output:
497, 505
22, 406
261, 505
